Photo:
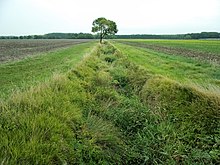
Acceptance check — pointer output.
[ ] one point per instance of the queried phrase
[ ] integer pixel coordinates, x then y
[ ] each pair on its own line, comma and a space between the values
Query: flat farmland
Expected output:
187, 61
27, 62
17, 49
208, 50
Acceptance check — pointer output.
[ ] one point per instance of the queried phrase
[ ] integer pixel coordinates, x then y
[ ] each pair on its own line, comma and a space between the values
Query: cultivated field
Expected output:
190, 61
200, 49
125, 102
42, 58
17, 49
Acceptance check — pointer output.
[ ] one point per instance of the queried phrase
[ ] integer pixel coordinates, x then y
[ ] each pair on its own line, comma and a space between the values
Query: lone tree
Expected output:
104, 27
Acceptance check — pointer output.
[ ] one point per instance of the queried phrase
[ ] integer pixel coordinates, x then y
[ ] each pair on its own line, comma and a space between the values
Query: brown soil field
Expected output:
18, 49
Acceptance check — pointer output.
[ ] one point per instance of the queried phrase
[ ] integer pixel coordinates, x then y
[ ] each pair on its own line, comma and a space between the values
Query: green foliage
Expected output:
66, 36
104, 27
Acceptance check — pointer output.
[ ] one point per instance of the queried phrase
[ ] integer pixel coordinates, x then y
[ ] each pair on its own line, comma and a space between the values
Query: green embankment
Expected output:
30, 71
107, 110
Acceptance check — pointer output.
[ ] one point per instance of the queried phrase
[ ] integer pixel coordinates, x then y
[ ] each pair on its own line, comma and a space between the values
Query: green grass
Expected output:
178, 68
32, 70
108, 110
208, 46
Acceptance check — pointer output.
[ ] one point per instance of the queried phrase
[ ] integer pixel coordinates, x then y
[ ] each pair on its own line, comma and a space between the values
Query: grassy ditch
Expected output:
108, 110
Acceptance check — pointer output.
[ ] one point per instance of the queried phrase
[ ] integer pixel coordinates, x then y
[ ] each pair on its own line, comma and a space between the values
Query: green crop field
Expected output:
120, 102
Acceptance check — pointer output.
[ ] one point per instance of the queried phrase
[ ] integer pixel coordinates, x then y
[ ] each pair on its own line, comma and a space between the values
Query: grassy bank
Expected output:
27, 72
107, 110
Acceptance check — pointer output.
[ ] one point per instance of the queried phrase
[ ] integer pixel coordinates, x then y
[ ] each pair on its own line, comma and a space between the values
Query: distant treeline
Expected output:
203, 35
54, 36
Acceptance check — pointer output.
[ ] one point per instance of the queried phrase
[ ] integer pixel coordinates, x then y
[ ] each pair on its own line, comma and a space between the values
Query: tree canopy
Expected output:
104, 27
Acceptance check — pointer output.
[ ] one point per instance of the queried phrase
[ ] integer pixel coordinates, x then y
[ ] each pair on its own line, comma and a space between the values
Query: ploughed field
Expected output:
200, 49
17, 49
120, 102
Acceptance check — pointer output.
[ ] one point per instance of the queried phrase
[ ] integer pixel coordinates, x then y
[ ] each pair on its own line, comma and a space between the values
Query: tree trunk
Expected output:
100, 38
101, 35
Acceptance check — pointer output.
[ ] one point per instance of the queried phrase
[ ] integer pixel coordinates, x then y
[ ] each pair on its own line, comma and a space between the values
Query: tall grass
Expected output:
107, 110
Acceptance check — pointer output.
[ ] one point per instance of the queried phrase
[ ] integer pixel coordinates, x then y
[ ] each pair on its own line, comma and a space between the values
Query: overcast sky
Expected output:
24, 17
